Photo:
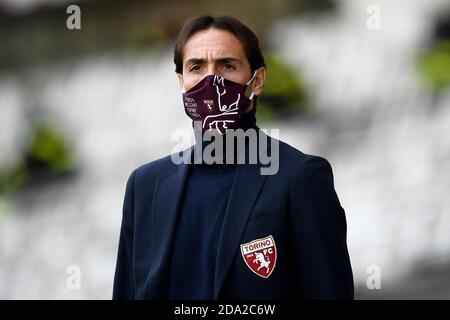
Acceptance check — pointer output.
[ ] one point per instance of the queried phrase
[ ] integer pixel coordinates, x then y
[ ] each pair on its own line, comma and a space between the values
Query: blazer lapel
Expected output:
244, 192
165, 208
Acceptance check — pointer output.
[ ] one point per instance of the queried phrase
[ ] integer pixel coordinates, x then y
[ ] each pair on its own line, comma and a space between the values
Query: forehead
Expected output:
215, 42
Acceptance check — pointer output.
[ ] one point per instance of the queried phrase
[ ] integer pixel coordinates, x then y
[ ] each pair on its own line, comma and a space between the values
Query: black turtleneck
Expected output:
200, 222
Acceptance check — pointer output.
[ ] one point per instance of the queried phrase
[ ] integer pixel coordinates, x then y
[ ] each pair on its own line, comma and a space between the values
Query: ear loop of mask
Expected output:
249, 81
182, 85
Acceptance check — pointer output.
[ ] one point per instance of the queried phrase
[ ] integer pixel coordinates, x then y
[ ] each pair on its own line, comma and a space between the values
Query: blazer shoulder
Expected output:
308, 170
297, 160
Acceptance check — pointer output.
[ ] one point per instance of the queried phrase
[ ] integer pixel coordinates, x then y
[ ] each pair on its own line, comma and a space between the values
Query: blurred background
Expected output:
364, 84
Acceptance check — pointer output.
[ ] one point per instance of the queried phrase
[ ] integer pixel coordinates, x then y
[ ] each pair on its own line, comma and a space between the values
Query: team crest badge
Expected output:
260, 255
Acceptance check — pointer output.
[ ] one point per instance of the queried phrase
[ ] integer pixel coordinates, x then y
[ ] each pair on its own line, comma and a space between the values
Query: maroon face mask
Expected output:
217, 102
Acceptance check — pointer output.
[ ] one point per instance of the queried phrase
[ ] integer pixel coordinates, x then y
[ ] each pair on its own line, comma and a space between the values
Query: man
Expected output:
225, 230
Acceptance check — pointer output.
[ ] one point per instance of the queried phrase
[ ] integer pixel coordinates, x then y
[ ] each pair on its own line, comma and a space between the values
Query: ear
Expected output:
258, 81
180, 80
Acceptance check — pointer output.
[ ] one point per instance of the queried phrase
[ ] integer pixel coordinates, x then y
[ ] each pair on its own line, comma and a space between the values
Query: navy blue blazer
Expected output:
297, 208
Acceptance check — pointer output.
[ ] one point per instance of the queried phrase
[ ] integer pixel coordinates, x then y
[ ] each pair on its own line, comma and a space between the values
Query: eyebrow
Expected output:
220, 60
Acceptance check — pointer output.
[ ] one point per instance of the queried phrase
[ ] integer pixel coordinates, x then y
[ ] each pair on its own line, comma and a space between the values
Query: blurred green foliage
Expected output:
434, 66
46, 152
11, 179
284, 92
48, 148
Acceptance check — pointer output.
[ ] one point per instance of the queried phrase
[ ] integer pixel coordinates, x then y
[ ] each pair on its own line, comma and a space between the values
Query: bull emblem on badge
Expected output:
263, 261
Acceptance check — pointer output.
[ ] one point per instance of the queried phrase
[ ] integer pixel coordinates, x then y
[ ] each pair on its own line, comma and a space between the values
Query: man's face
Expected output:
217, 52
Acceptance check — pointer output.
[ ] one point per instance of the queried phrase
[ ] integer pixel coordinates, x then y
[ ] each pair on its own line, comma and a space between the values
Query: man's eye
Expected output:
229, 66
194, 68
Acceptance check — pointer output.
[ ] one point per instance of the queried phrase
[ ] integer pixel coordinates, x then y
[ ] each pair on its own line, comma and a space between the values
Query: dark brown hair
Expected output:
223, 22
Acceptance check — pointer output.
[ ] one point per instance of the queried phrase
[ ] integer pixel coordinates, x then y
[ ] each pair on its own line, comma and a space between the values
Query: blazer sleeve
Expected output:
318, 234
124, 280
